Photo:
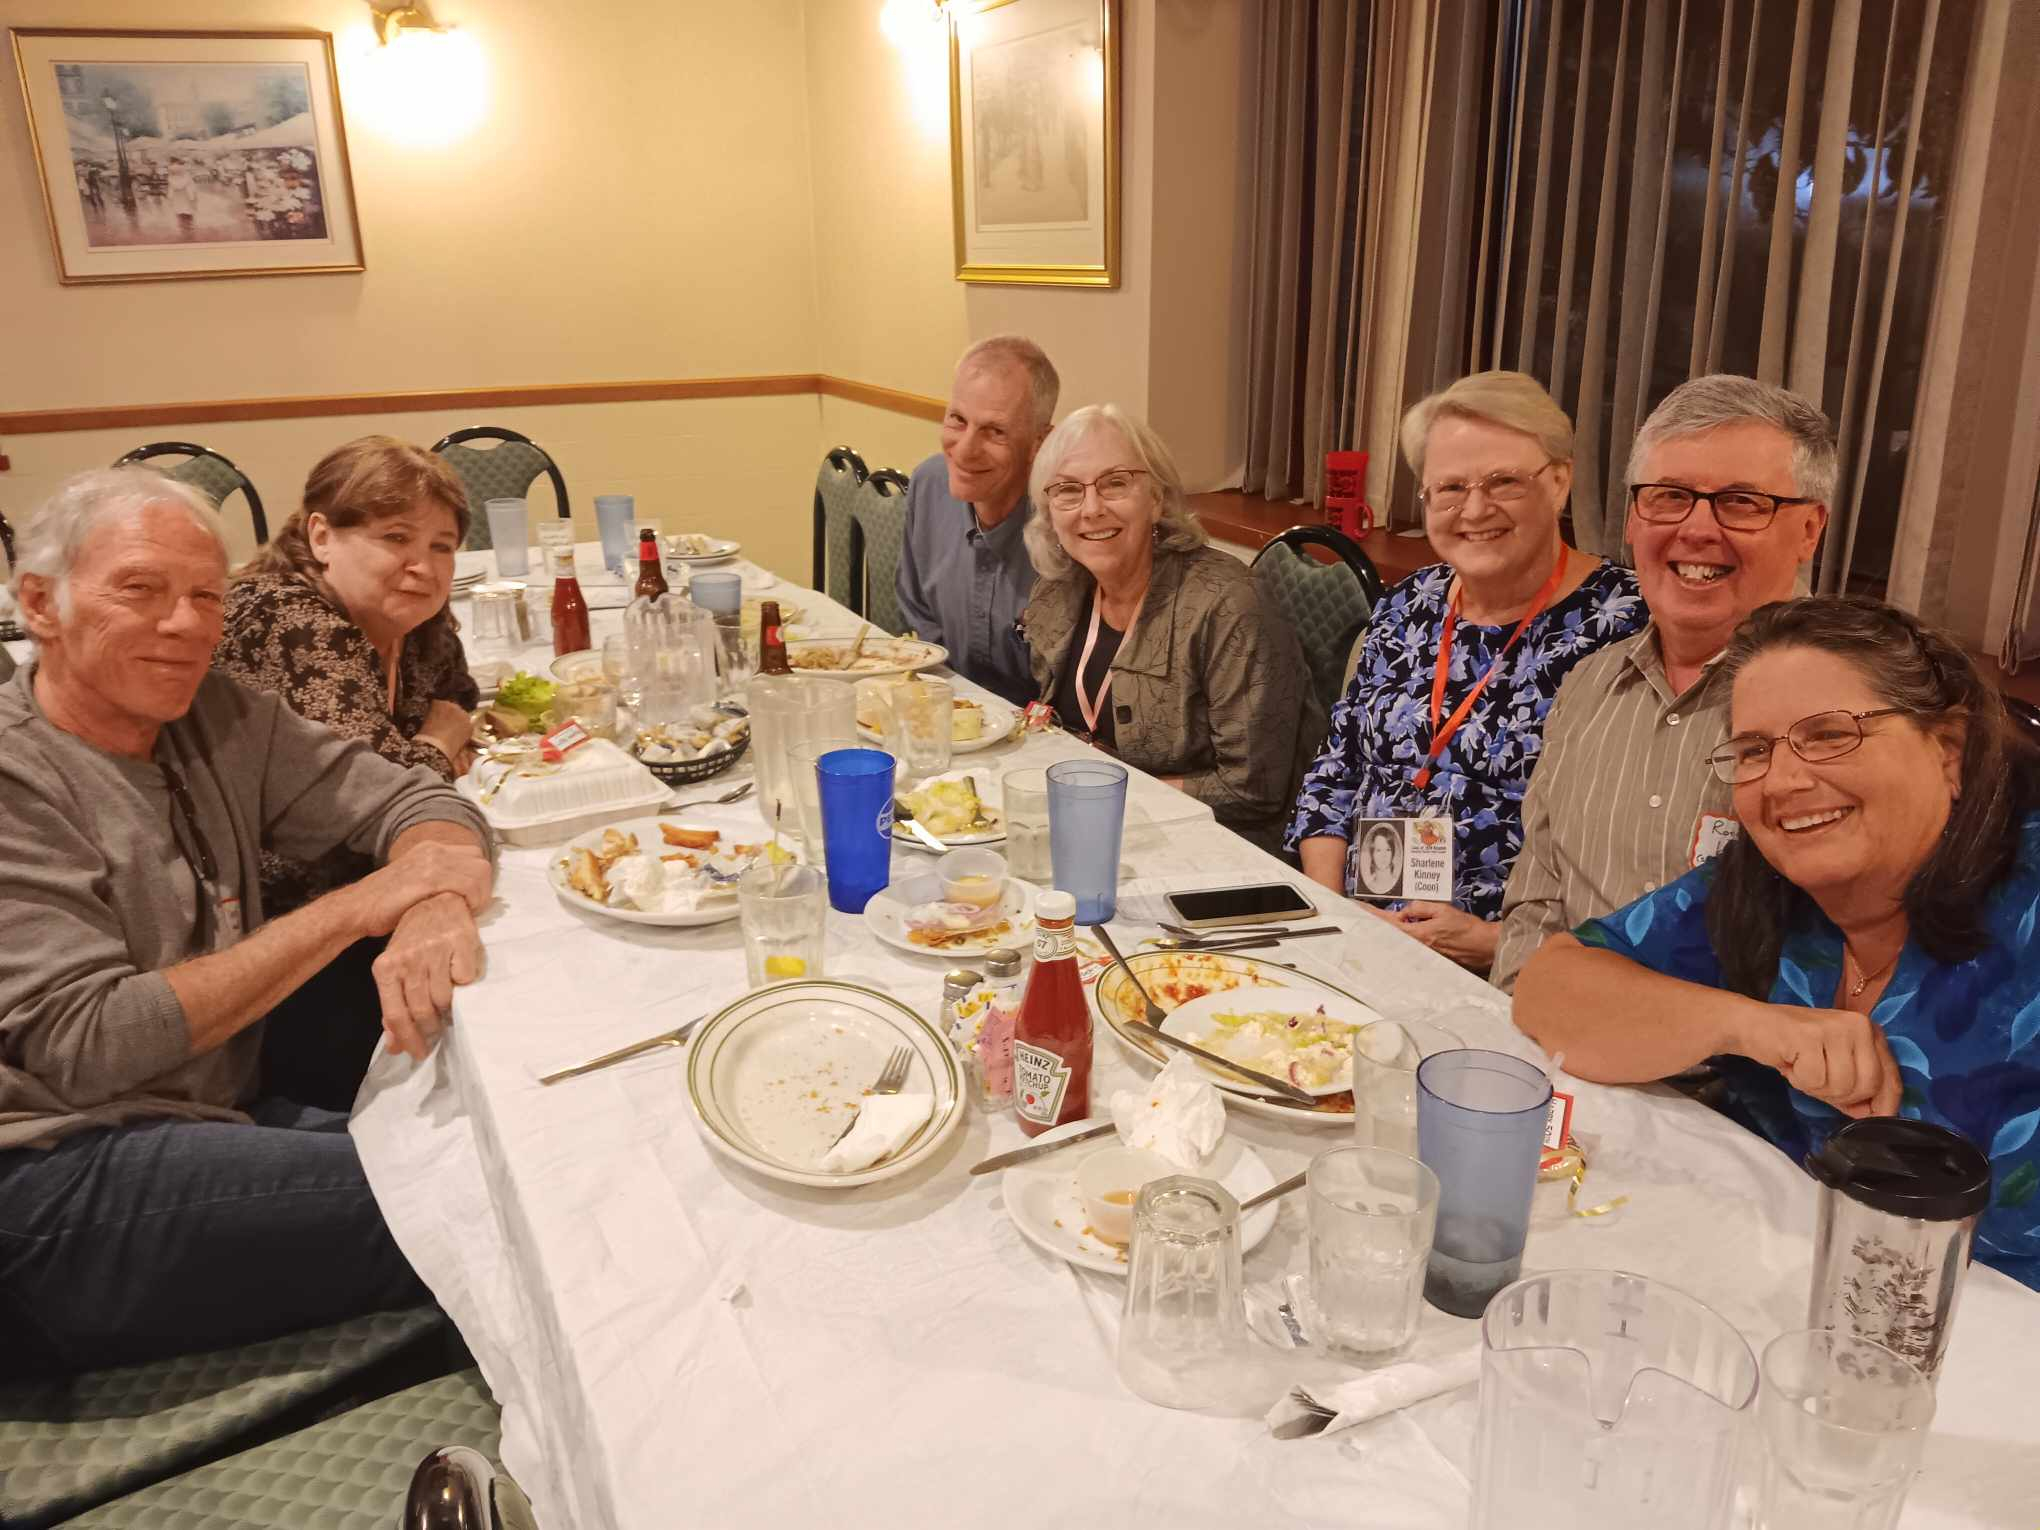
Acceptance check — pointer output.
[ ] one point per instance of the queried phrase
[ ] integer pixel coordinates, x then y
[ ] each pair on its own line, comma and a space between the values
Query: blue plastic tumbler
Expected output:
857, 819
613, 515
1480, 1128
1086, 816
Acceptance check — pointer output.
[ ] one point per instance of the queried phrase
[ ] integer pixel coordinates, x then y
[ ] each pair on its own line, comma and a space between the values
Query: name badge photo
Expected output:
1712, 834
1400, 859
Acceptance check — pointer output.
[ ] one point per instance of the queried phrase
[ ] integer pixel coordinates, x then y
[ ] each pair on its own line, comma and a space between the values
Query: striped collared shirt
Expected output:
1622, 800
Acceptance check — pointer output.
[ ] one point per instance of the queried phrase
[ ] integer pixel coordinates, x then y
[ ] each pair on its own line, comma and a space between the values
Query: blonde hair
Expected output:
1513, 400
1176, 530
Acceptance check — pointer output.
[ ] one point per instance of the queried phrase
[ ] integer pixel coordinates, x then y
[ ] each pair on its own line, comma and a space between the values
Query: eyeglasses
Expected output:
1114, 488
1667, 504
199, 855
1505, 488
1823, 736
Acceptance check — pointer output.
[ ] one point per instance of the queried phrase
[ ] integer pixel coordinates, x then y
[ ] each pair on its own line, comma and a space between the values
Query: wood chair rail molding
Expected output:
30, 422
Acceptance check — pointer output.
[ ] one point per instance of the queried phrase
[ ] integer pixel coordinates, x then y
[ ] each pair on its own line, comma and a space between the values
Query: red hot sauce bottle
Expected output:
569, 607
1052, 1037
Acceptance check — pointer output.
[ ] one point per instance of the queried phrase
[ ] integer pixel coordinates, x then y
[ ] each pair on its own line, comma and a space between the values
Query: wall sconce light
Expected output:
427, 82
392, 24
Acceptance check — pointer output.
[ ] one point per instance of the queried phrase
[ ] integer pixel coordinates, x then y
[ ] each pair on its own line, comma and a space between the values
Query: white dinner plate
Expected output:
715, 550
1197, 1021
1044, 1203
715, 909
1175, 978
771, 1078
989, 794
1000, 721
886, 917
881, 656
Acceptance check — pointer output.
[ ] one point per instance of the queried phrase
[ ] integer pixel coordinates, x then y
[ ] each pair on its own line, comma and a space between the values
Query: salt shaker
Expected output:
1899, 1201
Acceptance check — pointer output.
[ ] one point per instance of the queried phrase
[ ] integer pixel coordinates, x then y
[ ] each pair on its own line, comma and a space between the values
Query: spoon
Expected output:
1273, 1192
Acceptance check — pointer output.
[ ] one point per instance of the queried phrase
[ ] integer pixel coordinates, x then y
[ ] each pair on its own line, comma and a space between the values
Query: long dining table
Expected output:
678, 1341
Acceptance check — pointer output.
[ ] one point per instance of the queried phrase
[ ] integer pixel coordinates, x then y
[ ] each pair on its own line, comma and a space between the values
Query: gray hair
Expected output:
1723, 398
55, 534
1176, 530
1043, 386
1513, 400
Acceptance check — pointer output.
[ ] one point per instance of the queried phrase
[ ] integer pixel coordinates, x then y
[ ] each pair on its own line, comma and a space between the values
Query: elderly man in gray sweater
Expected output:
150, 1200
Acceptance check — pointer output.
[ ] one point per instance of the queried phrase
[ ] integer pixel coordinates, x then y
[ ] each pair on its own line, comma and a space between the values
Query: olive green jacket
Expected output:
1210, 687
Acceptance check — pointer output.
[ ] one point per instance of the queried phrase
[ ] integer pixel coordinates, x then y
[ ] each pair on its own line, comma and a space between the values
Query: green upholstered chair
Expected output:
73, 1443
880, 516
506, 470
836, 572
205, 470
1327, 603
353, 1471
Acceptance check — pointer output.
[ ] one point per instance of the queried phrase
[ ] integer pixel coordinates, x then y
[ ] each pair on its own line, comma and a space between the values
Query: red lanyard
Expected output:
1093, 706
1441, 736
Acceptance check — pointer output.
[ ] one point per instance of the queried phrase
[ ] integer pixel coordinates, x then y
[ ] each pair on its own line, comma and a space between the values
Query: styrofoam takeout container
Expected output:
599, 784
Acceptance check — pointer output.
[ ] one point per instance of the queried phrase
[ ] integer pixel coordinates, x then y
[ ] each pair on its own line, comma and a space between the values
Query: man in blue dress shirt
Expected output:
964, 577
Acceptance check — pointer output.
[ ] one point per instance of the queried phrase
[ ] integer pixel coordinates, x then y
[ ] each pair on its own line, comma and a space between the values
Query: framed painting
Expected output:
1034, 140
167, 155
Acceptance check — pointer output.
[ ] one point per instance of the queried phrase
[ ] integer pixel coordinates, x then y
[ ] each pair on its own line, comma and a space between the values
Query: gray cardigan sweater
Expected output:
96, 897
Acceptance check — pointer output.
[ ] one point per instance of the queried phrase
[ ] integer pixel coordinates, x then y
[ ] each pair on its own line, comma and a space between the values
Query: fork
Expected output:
738, 795
890, 1081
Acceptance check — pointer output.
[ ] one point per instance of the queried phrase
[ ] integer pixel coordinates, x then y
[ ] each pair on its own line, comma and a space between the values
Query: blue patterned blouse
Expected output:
1382, 727
1966, 1038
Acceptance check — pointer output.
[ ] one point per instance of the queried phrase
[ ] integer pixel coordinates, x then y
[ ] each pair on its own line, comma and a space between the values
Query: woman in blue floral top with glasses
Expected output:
1867, 946
1445, 713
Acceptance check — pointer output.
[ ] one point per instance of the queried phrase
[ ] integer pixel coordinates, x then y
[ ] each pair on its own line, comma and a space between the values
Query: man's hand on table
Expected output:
385, 895
433, 949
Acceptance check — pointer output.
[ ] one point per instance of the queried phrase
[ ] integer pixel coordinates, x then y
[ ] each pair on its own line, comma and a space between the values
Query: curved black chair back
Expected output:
1327, 603
7, 540
504, 471
208, 471
837, 572
879, 522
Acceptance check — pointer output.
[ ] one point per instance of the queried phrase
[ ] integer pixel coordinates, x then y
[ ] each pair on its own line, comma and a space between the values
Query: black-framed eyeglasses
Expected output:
197, 853
1823, 736
1504, 488
1667, 504
1114, 487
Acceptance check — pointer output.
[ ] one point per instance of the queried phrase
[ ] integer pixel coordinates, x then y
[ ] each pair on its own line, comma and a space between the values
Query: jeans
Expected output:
129, 1243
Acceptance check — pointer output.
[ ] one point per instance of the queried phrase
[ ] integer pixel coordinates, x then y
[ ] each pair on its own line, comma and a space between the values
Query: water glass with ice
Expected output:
614, 514
783, 911
1086, 818
919, 726
1841, 1425
1024, 799
1371, 1217
1480, 1127
1385, 1059
510, 536
806, 789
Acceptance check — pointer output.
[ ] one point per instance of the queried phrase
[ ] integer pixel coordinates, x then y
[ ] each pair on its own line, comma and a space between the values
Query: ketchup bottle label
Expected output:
1054, 942
1039, 1079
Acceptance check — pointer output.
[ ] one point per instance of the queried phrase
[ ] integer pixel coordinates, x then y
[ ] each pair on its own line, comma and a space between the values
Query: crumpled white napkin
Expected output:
884, 1122
1179, 1115
1314, 1409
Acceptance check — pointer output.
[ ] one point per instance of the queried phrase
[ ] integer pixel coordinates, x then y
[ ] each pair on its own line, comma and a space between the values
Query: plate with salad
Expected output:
1305, 1038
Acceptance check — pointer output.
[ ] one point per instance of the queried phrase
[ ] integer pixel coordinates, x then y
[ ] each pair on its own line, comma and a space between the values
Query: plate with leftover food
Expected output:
878, 656
913, 915
960, 807
658, 871
973, 725
1307, 1040
694, 547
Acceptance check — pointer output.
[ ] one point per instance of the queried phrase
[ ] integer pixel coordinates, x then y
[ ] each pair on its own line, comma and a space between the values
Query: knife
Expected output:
1040, 1149
1235, 943
1266, 1081
903, 816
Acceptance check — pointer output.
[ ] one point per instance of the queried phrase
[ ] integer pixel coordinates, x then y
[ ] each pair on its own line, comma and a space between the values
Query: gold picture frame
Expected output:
1034, 141
169, 155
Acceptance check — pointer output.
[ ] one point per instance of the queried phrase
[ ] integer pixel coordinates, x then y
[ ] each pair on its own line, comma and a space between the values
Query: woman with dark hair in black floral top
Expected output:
344, 614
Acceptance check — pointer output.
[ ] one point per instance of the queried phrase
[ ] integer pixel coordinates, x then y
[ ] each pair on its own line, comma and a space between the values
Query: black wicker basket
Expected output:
687, 772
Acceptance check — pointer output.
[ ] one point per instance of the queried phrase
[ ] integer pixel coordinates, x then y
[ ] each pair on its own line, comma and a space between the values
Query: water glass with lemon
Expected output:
783, 911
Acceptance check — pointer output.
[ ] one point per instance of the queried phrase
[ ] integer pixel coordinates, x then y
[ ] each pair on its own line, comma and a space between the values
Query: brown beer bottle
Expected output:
772, 658
651, 579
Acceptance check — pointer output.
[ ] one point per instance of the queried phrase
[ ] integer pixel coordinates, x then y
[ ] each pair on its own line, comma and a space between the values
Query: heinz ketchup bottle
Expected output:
1052, 1037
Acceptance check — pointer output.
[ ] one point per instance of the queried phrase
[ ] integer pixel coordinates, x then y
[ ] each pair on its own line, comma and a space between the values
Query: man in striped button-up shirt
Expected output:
1730, 480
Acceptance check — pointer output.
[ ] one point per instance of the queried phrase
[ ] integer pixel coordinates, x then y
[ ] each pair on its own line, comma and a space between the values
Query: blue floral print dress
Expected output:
1966, 1037
1382, 728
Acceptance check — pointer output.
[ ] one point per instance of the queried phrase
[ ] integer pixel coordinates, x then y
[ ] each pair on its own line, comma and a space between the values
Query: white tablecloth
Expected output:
679, 1342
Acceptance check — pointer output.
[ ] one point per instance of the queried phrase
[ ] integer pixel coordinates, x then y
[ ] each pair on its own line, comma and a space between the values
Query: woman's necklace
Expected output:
1867, 978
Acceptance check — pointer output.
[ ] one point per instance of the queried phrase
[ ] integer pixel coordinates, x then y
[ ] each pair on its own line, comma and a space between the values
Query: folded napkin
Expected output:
884, 1123
1179, 1115
1312, 1408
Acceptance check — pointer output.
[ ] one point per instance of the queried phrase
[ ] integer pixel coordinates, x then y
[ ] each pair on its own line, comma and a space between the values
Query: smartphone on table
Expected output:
1259, 903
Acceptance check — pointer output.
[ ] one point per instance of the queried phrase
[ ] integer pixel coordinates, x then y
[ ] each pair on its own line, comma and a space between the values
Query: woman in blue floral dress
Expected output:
1512, 609
1867, 947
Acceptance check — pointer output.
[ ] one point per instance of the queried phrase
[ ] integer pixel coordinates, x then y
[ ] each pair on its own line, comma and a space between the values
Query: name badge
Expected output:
1713, 834
1400, 859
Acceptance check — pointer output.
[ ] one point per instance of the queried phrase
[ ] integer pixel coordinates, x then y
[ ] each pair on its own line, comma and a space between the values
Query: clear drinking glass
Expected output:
1841, 1425
807, 790
1371, 1217
783, 911
1385, 1087
613, 516
495, 626
1025, 797
617, 670
510, 535
1182, 1331
592, 701
918, 726
1480, 1126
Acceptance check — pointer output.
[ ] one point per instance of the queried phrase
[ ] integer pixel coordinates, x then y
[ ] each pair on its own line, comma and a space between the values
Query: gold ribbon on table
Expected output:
1569, 1163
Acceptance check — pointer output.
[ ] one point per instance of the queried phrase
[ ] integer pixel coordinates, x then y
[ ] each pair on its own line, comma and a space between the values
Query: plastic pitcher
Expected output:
1607, 1402
672, 654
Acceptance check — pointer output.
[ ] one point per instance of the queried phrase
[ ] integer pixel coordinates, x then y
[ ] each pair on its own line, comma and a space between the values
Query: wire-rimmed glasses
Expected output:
1667, 504
1507, 487
1115, 487
1822, 736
